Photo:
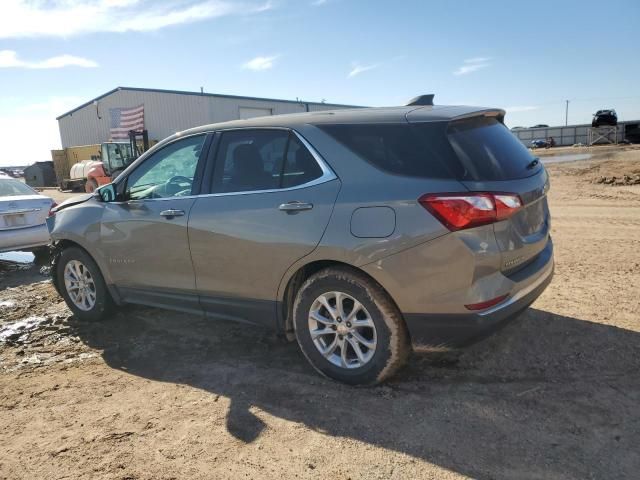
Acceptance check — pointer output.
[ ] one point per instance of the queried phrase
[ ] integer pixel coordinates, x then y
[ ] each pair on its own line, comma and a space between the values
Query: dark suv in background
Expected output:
605, 117
359, 233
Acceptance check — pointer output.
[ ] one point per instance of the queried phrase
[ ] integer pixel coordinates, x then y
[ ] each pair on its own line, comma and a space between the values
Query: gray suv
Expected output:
360, 233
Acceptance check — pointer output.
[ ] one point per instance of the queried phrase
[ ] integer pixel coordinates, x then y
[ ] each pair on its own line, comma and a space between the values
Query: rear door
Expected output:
271, 199
489, 158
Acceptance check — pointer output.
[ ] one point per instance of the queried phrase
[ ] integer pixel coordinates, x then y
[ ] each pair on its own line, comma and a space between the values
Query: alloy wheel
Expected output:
342, 330
80, 285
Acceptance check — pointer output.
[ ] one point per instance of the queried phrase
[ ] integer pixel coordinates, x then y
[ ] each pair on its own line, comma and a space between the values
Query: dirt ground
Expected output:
158, 395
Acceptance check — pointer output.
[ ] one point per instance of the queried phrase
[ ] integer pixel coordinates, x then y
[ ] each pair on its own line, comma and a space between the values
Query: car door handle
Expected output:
293, 207
172, 213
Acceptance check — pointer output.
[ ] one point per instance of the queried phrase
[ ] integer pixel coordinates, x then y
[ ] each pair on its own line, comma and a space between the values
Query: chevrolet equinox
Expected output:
360, 233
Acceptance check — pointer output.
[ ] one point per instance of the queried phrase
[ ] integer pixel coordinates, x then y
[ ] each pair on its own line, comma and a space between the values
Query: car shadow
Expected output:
547, 397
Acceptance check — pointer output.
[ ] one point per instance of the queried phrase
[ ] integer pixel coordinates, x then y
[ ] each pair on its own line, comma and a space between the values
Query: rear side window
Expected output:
478, 149
300, 167
254, 160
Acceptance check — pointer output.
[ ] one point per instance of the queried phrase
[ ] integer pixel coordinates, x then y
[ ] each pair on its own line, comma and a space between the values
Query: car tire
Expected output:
90, 186
377, 328
94, 302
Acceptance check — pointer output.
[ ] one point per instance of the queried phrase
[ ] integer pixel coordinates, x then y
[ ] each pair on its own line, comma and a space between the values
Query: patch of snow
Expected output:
22, 326
7, 304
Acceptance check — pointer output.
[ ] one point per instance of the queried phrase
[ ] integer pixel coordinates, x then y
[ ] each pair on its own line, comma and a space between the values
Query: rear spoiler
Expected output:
496, 113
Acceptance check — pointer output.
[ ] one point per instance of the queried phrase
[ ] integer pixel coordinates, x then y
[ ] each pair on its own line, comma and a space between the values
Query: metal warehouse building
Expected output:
169, 111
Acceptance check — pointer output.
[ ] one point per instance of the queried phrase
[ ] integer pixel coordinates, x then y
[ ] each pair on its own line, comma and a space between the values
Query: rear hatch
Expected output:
23, 211
486, 157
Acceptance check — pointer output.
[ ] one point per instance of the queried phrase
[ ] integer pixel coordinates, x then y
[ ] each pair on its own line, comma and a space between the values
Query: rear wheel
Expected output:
82, 285
349, 328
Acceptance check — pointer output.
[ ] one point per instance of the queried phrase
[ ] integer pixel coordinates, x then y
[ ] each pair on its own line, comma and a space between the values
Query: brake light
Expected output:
51, 212
458, 211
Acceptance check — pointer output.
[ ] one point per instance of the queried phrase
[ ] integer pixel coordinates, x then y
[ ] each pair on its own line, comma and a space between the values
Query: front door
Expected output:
270, 204
144, 237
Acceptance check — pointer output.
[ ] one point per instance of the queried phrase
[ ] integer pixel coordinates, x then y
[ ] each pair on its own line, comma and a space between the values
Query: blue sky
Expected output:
525, 57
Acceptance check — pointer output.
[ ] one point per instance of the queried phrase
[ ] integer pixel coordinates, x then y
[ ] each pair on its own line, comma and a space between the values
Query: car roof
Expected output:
353, 115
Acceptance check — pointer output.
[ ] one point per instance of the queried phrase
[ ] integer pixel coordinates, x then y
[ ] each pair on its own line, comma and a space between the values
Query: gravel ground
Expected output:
151, 394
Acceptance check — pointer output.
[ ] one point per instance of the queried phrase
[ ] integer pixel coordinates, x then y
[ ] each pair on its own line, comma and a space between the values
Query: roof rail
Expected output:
421, 100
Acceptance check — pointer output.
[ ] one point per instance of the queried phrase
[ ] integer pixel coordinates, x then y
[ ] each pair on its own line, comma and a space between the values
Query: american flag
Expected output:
125, 119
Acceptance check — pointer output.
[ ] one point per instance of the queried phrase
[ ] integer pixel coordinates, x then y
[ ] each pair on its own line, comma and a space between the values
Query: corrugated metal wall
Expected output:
569, 135
165, 113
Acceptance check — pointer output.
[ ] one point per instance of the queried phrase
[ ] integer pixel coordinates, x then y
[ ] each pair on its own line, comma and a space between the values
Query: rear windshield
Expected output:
478, 149
12, 188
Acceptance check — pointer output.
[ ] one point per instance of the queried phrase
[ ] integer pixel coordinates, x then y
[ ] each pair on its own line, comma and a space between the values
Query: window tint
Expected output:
395, 148
249, 160
480, 149
300, 167
486, 150
168, 172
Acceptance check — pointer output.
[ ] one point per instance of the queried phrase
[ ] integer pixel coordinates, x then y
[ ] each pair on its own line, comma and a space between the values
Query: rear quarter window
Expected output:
394, 148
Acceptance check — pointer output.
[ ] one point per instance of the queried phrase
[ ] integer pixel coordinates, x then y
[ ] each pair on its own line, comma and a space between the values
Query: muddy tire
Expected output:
82, 286
348, 327
90, 185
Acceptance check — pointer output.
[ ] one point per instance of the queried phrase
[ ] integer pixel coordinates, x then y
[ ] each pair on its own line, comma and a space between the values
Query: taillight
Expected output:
51, 212
458, 211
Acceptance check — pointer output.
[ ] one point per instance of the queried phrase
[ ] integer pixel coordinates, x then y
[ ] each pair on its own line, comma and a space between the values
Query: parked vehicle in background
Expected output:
605, 117
357, 232
539, 143
540, 125
86, 167
23, 213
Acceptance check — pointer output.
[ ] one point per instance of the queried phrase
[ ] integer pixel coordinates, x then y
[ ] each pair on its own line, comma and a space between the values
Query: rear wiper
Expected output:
533, 163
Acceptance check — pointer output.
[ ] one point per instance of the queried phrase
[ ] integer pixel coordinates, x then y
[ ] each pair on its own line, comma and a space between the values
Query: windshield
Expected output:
119, 155
10, 187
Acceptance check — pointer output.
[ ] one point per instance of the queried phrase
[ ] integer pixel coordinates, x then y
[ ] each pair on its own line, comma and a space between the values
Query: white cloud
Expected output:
260, 63
471, 65
521, 108
357, 69
478, 60
9, 59
64, 18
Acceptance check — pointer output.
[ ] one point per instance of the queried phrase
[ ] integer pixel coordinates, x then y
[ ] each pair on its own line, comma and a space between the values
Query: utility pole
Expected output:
566, 114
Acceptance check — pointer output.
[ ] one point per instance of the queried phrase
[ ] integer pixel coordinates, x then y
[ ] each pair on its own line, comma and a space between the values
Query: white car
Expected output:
23, 215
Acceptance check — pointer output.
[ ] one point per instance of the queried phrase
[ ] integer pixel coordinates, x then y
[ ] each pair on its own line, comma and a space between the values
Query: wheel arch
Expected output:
292, 283
57, 248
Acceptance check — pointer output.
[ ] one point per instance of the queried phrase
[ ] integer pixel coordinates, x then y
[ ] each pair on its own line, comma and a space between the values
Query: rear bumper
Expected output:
432, 331
23, 238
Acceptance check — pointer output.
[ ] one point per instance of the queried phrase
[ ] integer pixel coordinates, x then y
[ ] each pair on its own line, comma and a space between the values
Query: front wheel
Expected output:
348, 327
82, 285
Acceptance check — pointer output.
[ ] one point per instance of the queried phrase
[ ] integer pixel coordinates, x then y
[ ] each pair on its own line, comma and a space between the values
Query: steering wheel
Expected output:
173, 184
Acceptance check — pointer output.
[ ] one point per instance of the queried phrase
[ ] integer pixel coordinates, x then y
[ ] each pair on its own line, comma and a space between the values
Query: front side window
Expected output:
168, 172
254, 160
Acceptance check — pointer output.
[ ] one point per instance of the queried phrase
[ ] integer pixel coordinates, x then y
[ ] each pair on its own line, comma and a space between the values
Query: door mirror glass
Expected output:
107, 193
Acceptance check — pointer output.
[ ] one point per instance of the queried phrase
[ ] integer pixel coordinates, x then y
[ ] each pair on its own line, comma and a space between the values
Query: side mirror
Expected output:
107, 193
